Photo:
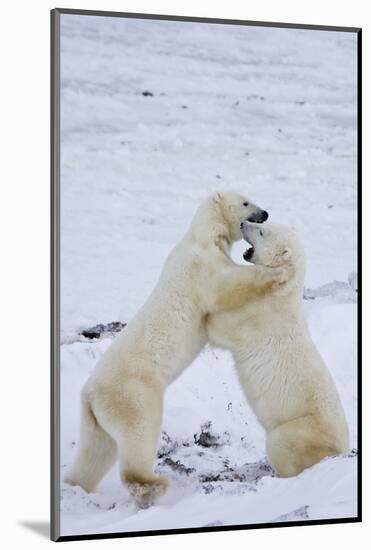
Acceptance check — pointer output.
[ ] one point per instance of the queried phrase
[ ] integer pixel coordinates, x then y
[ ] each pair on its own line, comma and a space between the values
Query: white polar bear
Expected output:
280, 370
122, 400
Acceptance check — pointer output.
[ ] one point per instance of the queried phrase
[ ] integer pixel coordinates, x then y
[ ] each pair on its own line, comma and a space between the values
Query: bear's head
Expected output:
234, 209
274, 245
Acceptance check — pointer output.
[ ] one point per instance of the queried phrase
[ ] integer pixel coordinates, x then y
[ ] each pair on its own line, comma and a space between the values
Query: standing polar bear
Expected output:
281, 372
122, 400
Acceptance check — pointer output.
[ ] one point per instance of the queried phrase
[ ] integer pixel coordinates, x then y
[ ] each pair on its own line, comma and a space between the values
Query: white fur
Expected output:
122, 400
281, 372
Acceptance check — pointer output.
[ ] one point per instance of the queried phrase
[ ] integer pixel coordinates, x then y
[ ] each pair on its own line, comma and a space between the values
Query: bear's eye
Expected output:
246, 204
261, 233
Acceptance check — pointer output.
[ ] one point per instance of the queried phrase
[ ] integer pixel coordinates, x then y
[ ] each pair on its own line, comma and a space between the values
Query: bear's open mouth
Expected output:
248, 254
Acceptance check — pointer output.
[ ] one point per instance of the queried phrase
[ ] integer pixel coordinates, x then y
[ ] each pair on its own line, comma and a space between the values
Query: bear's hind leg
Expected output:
139, 451
137, 461
134, 421
296, 445
97, 452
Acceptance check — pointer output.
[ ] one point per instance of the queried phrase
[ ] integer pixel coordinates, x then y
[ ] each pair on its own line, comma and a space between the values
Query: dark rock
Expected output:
206, 438
177, 466
98, 330
168, 446
207, 478
248, 473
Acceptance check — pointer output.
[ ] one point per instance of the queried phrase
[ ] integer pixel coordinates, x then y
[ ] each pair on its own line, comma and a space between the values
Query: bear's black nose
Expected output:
241, 225
265, 215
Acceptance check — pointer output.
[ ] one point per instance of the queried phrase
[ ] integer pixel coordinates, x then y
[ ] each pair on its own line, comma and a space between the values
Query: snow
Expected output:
267, 112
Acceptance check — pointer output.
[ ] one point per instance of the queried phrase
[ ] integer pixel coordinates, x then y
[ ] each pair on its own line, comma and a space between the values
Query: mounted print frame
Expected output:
206, 274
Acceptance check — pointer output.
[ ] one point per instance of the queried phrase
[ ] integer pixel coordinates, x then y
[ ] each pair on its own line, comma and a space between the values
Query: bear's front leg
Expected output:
238, 283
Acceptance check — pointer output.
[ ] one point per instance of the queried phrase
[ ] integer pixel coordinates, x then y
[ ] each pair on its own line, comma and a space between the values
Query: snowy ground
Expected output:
155, 116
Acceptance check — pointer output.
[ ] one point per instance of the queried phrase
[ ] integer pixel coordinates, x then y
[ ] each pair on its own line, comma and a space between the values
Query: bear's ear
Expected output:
286, 254
218, 197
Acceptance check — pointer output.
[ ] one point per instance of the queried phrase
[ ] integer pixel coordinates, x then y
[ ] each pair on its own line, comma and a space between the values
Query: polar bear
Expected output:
280, 370
122, 400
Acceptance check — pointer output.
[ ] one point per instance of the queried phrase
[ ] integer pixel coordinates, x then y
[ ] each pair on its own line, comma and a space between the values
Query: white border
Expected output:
24, 230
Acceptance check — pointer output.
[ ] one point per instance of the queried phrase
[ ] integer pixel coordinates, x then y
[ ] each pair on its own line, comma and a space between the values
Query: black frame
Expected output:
55, 275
